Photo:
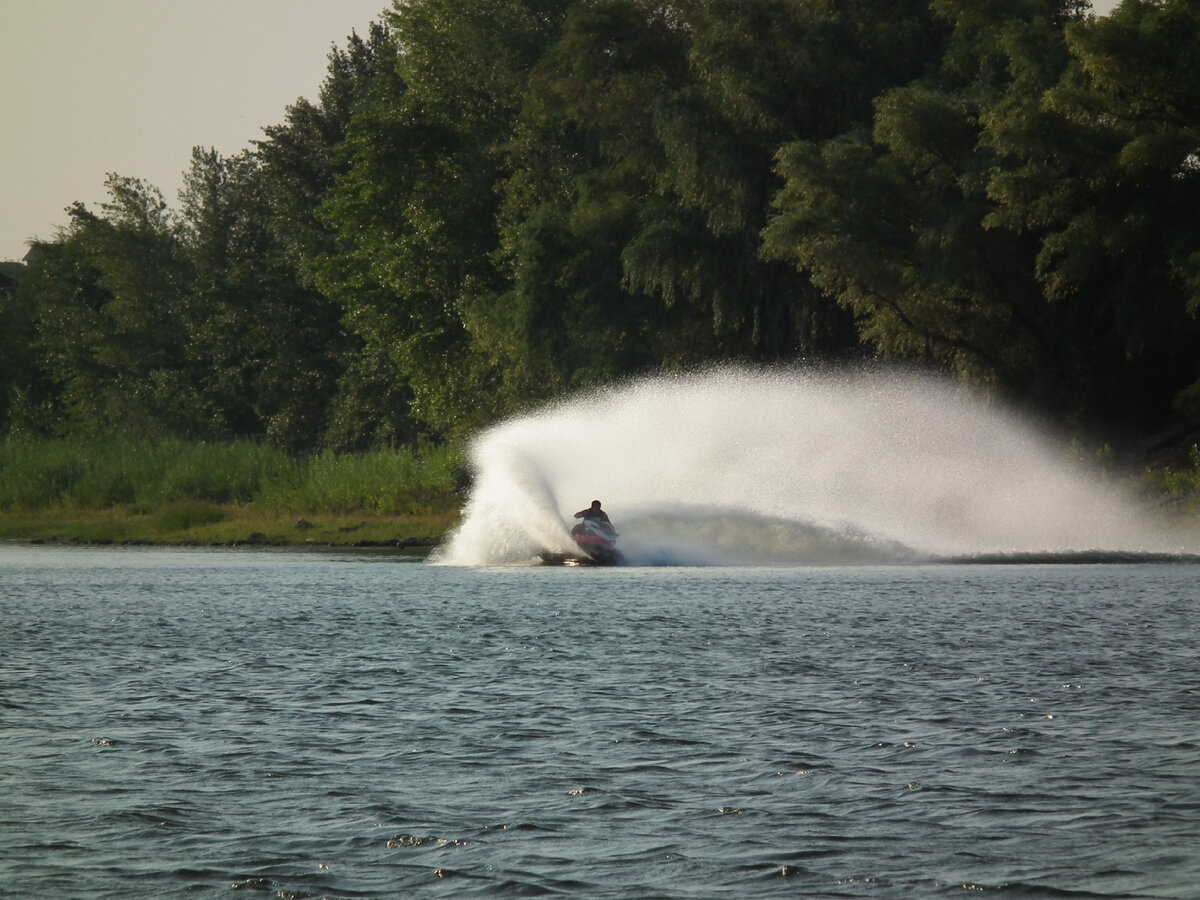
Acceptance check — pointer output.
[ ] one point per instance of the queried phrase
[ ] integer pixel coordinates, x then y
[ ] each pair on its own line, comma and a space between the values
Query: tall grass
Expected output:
220, 473
379, 481
37, 474
1176, 485
41, 474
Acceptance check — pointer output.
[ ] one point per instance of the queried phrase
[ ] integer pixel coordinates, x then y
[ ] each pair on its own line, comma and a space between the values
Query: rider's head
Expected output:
595, 504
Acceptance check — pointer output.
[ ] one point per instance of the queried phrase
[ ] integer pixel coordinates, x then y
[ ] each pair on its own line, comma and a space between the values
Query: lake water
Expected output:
316, 724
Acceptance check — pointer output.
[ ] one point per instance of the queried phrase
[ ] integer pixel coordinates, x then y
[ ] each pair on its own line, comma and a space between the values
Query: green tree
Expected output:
763, 75
302, 156
272, 349
300, 162
24, 392
415, 210
895, 222
642, 174
109, 297
1023, 214
581, 163
1102, 172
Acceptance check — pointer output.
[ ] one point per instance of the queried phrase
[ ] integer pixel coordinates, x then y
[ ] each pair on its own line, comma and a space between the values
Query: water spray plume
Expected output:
737, 467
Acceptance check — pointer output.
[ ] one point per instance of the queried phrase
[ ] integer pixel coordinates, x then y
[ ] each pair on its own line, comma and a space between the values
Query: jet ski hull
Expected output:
582, 559
597, 543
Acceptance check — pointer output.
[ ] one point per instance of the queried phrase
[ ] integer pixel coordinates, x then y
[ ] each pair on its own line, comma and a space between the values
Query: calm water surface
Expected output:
331, 725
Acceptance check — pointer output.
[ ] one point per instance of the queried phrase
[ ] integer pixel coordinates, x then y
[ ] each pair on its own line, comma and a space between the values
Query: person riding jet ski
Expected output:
595, 538
592, 514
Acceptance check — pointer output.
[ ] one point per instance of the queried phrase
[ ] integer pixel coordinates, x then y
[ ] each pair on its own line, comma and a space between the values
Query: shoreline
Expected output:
226, 525
411, 545
200, 524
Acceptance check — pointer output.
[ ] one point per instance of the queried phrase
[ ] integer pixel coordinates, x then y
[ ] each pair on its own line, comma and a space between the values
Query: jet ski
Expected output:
597, 543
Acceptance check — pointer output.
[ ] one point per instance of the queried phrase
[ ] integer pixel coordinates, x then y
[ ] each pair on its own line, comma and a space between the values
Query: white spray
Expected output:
733, 466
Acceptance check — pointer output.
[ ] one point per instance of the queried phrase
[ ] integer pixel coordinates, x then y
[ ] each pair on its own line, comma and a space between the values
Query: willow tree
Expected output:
1103, 174
1024, 214
896, 220
761, 76
643, 173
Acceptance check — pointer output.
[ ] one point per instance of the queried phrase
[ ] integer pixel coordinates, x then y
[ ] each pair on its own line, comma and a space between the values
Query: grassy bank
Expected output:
119, 491
223, 525
178, 493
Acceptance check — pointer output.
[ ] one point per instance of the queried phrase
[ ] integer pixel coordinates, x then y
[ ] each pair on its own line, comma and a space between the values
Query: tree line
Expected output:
492, 203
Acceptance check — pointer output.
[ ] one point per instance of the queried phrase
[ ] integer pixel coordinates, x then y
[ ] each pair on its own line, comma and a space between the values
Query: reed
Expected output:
206, 524
383, 481
100, 474
97, 474
38, 474
1177, 486
216, 473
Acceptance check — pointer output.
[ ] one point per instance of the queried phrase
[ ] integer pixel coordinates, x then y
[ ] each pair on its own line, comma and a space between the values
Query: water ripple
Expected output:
302, 725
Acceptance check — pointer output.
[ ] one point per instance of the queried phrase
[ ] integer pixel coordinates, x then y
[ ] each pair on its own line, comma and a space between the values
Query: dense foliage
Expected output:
492, 202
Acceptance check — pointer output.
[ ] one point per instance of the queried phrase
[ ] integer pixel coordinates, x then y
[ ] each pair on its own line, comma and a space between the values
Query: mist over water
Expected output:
736, 467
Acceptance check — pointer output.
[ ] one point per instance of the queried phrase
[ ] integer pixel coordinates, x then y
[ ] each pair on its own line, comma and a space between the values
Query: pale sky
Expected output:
130, 86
